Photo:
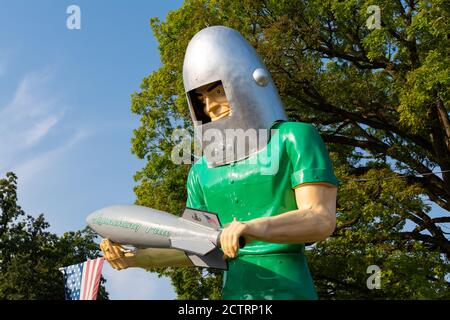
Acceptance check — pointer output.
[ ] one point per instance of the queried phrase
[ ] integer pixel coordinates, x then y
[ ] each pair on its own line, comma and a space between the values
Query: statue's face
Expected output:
216, 102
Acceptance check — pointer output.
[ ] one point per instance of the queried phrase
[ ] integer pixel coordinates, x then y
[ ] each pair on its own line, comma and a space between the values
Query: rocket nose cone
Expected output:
90, 220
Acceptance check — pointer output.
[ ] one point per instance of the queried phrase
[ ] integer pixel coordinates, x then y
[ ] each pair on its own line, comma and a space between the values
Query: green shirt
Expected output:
263, 184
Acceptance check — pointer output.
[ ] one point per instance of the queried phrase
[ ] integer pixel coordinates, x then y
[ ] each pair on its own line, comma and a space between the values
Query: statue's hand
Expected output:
229, 238
116, 255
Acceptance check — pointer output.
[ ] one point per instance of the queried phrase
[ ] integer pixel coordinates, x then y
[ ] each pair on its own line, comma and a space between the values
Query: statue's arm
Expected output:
120, 259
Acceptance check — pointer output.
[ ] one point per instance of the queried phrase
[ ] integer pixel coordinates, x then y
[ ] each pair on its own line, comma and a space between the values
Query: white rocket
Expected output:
196, 232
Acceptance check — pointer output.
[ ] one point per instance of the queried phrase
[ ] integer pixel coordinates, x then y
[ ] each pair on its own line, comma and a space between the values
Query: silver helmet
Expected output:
221, 56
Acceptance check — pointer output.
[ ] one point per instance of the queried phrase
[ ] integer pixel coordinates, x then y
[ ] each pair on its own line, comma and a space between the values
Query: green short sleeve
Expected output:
195, 198
308, 154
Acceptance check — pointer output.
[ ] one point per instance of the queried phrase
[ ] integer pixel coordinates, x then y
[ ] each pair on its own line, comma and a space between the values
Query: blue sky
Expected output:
65, 119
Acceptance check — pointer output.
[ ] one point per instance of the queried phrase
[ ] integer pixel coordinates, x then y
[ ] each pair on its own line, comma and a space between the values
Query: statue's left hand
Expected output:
229, 238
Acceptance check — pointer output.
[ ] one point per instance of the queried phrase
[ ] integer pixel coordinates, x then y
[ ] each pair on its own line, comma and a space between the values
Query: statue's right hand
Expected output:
115, 254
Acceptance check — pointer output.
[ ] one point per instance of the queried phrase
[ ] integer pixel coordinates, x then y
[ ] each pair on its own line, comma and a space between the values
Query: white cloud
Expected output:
39, 130
29, 168
25, 123
31, 98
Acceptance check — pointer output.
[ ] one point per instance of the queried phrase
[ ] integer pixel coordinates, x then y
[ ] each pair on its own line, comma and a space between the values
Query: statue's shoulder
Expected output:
295, 128
195, 169
198, 164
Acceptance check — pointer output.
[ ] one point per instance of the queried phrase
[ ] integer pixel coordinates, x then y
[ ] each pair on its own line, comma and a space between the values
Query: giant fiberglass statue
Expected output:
277, 190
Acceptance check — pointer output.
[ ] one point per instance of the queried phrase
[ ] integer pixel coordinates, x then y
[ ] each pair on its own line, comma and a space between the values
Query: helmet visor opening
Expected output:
210, 102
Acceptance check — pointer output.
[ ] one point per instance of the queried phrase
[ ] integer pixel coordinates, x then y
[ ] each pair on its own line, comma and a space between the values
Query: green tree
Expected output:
379, 98
30, 256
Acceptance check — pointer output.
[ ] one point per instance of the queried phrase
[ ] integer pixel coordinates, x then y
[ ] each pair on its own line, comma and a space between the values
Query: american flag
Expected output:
82, 280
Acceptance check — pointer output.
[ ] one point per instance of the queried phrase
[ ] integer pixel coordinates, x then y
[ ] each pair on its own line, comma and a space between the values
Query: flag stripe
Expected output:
98, 275
91, 278
83, 283
88, 279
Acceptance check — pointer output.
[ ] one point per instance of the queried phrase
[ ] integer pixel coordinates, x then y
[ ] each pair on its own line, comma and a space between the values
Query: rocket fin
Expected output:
214, 259
200, 247
205, 218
